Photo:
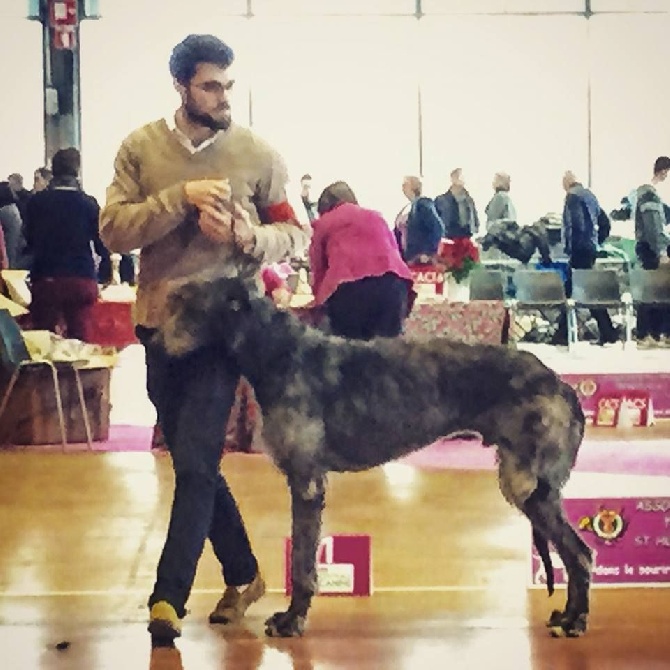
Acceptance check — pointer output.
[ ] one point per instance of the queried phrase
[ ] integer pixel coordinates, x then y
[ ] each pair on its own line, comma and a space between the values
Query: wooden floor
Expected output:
80, 537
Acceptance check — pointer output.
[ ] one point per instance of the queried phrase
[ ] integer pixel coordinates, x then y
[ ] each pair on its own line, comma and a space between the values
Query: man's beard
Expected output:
194, 115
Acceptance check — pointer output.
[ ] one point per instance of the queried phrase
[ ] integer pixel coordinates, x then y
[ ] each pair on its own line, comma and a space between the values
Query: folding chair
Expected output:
537, 290
596, 289
486, 285
14, 357
650, 287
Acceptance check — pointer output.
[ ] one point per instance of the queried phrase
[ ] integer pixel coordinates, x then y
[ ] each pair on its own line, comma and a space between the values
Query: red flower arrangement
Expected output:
458, 257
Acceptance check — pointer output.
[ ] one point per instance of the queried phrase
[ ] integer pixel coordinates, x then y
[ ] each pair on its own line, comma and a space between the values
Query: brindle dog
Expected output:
331, 404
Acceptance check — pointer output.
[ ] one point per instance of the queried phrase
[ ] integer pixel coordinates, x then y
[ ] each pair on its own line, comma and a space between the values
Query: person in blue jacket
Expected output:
419, 233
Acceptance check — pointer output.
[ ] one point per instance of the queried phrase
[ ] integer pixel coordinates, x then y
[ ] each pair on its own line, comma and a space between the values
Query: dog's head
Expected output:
209, 308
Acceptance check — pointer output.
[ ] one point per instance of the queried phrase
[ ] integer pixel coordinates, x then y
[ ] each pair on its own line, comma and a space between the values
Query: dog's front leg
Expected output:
307, 502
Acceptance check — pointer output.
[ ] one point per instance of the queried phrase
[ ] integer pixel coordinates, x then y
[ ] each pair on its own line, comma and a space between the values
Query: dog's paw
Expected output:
561, 624
285, 624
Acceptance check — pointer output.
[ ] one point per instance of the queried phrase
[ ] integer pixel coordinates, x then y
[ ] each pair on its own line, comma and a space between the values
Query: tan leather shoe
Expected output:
235, 602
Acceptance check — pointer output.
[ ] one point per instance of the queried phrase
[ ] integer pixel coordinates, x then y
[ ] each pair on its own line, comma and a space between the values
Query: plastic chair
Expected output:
537, 290
594, 289
486, 285
14, 357
650, 287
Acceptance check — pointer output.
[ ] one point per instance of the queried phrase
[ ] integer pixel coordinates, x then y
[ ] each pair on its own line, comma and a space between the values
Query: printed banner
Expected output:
428, 279
344, 565
591, 388
630, 538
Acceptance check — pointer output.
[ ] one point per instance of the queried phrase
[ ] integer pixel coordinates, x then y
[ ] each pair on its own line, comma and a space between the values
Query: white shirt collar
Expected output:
186, 141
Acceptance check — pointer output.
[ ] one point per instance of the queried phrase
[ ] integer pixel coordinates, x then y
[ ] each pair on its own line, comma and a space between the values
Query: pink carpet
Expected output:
639, 457
121, 438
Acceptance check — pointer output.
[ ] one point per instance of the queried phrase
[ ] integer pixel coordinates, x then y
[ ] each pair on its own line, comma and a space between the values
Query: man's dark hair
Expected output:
196, 49
66, 162
661, 163
44, 172
306, 176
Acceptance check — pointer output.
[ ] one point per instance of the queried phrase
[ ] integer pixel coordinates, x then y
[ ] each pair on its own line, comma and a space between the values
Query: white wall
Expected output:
125, 80
630, 101
505, 94
21, 119
338, 95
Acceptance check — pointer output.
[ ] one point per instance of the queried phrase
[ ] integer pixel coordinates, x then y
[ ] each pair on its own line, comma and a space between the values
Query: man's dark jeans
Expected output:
193, 396
652, 321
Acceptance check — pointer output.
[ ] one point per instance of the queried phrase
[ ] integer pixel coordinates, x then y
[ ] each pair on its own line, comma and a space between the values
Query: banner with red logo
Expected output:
344, 566
630, 539
595, 389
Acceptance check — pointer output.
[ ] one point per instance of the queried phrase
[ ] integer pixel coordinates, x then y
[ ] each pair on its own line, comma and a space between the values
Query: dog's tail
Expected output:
543, 550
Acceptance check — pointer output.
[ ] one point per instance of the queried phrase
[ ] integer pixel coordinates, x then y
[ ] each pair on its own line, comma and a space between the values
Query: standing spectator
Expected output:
419, 233
307, 202
581, 214
651, 248
10, 220
41, 179
4, 262
457, 209
500, 207
356, 268
21, 194
62, 227
187, 191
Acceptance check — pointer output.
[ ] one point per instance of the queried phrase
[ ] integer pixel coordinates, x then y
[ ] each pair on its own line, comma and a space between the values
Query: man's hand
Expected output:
228, 225
208, 194
216, 225
243, 229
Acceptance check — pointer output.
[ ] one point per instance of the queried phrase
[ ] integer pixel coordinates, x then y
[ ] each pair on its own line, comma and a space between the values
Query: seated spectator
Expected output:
356, 268
62, 226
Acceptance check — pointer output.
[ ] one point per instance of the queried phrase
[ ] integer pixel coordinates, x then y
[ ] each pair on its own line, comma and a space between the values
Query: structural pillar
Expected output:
60, 68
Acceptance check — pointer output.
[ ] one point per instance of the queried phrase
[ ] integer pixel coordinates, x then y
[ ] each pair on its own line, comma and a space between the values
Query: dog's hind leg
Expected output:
543, 508
307, 503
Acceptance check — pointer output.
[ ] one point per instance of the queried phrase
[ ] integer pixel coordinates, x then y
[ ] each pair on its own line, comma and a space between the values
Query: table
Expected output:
475, 322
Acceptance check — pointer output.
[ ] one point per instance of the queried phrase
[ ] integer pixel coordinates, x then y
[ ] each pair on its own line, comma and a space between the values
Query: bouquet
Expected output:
458, 257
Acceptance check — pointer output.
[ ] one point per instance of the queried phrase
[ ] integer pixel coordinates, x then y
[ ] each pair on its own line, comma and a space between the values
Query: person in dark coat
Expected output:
10, 221
418, 228
457, 209
62, 232
581, 216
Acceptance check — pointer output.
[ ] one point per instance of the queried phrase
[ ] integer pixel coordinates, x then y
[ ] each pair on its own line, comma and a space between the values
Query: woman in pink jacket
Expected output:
356, 269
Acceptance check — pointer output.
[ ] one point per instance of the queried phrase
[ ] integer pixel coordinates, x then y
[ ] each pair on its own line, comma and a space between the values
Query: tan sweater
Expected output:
146, 207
